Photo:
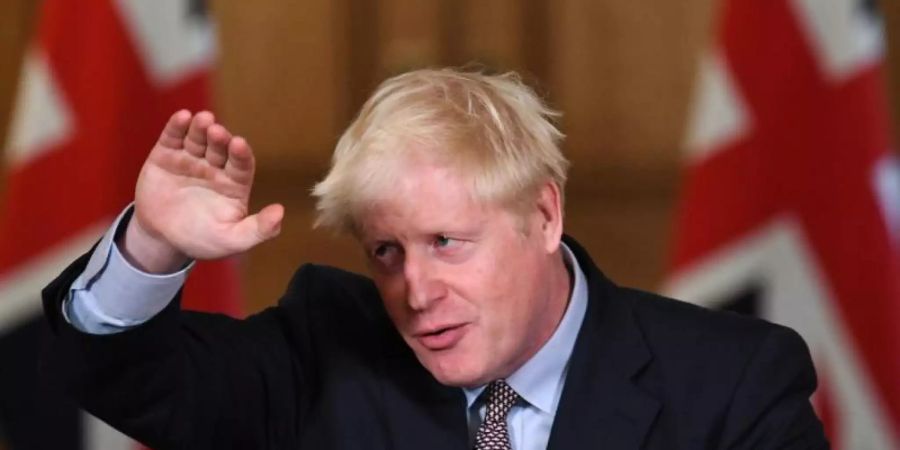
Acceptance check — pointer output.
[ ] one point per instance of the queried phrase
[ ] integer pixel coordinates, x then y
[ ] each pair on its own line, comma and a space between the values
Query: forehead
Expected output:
425, 197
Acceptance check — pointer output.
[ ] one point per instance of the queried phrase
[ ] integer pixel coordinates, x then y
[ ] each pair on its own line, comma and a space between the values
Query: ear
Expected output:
550, 216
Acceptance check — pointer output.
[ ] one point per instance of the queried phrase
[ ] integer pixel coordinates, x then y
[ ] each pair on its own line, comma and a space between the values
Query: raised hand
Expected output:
191, 199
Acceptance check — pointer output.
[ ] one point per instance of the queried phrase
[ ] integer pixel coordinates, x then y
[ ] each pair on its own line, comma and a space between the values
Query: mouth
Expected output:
442, 338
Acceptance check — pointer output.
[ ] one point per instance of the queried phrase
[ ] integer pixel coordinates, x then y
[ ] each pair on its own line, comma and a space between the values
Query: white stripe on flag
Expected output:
886, 184
100, 436
845, 37
41, 118
172, 44
717, 115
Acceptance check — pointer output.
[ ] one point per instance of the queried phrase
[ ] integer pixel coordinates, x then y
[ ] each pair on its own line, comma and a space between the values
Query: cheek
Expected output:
515, 290
494, 288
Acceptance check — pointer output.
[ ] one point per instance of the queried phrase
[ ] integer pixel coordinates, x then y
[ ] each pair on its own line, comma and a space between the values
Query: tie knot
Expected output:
500, 398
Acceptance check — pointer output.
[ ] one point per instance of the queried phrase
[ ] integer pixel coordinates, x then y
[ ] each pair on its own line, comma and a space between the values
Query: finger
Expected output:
259, 227
173, 133
217, 139
195, 143
241, 163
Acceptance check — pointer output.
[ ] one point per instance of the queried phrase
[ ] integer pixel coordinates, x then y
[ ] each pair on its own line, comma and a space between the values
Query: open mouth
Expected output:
442, 338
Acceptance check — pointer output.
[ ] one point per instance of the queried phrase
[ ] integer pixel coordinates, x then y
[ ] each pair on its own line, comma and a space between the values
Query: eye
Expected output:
380, 250
386, 254
446, 244
441, 241
384, 250
448, 249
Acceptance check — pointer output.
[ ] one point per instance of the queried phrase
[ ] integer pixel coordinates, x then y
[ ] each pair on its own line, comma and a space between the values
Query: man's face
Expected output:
470, 292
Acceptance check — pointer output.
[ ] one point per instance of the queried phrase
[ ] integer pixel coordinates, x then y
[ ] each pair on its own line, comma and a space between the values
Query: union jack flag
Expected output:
99, 81
791, 201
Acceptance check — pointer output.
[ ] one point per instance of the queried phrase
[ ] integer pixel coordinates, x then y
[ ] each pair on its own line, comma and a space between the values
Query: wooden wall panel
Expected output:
491, 33
622, 72
282, 78
892, 26
410, 35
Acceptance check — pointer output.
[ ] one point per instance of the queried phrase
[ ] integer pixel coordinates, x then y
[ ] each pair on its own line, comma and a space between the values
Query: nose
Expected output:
422, 280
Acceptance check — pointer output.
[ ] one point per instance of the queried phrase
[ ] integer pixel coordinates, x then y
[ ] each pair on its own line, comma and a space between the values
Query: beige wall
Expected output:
292, 73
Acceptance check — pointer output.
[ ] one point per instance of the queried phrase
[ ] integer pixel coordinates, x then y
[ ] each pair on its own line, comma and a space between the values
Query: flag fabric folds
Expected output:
99, 81
791, 200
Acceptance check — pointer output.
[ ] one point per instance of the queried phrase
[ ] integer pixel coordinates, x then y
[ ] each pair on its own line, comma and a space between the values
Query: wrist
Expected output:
148, 252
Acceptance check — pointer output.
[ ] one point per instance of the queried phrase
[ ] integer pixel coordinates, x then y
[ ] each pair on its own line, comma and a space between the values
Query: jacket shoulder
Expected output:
334, 302
686, 335
678, 322
709, 354
748, 379
323, 279
331, 287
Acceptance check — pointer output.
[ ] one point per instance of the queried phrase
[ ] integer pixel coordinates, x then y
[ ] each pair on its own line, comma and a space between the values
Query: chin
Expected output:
453, 370
462, 380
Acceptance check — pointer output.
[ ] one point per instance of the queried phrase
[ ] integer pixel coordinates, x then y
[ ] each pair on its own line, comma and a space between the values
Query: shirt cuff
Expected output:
111, 295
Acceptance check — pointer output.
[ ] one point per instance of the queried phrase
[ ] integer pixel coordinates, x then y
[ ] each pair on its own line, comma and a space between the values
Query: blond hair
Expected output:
492, 128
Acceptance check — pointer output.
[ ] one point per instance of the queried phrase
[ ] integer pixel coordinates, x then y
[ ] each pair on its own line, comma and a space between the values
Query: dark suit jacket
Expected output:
326, 369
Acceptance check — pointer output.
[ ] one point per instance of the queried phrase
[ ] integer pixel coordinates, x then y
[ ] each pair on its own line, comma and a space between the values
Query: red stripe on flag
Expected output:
117, 111
810, 152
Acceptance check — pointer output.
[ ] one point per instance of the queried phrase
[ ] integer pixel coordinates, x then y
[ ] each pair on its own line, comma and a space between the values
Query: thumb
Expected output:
259, 227
268, 221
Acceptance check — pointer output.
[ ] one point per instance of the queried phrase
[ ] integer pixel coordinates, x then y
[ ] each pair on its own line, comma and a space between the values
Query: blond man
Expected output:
481, 325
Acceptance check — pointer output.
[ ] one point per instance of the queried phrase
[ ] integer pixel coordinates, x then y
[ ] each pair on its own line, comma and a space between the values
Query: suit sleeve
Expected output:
770, 408
183, 379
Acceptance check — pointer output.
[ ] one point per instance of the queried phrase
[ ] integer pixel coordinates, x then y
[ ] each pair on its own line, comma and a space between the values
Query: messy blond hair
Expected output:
492, 128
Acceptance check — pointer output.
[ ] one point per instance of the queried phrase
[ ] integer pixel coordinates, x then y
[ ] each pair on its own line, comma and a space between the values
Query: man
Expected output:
482, 325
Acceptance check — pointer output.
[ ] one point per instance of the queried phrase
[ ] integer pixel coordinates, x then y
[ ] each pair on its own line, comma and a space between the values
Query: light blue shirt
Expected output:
111, 296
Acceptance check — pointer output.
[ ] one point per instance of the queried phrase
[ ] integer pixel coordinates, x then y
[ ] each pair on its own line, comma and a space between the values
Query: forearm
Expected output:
171, 381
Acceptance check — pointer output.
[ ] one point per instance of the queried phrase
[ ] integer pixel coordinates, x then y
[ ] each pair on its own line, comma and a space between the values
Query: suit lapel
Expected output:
601, 406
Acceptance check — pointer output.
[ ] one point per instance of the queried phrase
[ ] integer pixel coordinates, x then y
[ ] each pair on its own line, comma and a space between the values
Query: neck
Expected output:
564, 283
560, 282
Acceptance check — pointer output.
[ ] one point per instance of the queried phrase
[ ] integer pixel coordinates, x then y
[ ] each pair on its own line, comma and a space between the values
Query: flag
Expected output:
98, 83
791, 199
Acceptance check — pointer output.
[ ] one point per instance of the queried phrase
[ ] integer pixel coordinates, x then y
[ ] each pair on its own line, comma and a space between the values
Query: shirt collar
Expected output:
540, 380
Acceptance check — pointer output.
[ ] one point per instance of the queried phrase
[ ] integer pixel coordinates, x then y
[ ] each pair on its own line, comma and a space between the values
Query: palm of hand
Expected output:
193, 191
